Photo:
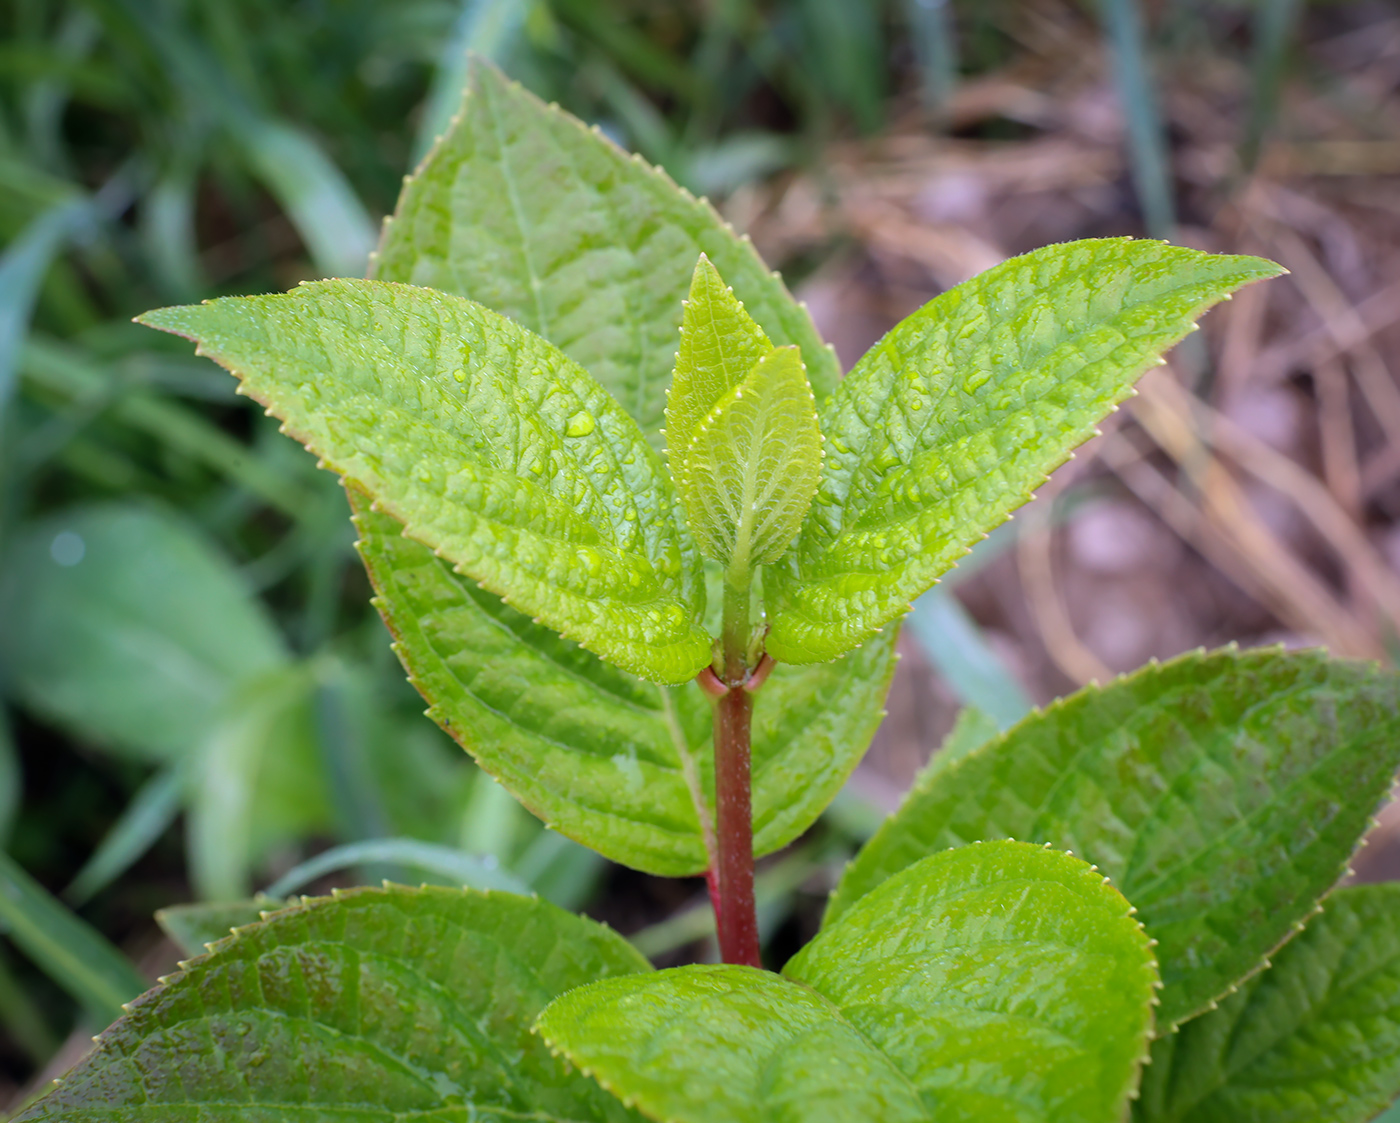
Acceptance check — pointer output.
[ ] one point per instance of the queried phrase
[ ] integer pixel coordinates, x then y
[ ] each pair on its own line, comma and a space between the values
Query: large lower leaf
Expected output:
126, 625
1000, 983
1317, 1036
488, 443
524, 209
1222, 793
373, 1005
948, 423
621, 765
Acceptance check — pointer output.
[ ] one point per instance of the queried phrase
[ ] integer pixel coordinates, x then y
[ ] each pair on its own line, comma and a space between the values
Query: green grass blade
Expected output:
959, 652
149, 814
72, 954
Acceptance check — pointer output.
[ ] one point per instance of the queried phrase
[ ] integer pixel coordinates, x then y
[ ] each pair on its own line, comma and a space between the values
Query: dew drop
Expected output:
580, 425
459, 375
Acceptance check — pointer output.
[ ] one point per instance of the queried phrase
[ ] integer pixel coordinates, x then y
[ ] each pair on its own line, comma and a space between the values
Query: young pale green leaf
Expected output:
523, 208
488, 443
950, 421
1317, 1036
126, 625
1001, 982
720, 343
750, 470
618, 764
375, 1004
1223, 793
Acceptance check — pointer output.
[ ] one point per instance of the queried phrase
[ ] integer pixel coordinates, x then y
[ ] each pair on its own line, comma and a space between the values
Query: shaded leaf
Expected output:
997, 982
193, 927
488, 443
618, 764
523, 208
376, 1004
126, 625
947, 424
1317, 1036
1223, 793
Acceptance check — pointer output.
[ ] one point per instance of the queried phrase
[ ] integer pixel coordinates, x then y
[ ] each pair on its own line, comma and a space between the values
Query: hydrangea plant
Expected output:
645, 555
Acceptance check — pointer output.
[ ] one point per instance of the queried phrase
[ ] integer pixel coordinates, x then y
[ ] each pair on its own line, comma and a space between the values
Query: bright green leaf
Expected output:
999, 982
613, 762
126, 625
1222, 793
720, 343
949, 423
488, 443
523, 208
374, 1005
1315, 1037
748, 475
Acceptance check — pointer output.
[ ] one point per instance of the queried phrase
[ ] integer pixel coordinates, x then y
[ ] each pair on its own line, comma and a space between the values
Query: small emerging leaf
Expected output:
999, 983
1315, 1037
948, 423
1223, 793
374, 1005
748, 476
490, 446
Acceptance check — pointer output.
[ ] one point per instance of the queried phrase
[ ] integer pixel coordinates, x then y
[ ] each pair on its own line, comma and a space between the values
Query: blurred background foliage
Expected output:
200, 702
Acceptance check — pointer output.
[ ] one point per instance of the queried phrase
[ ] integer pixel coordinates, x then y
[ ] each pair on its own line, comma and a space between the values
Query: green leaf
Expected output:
194, 927
490, 446
618, 764
126, 625
948, 423
749, 474
444, 865
999, 982
373, 1005
74, 955
720, 343
1223, 793
523, 208
1317, 1036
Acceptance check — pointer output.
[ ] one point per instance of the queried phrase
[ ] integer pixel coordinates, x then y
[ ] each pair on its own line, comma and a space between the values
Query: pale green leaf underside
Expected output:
1315, 1037
719, 345
593, 751
372, 1006
524, 209
752, 464
489, 444
1222, 793
948, 423
998, 983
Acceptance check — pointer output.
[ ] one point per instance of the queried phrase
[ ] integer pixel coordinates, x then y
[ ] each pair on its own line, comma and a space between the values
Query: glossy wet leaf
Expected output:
489, 444
603, 757
1223, 793
523, 208
753, 463
994, 983
377, 1004
948, 423
128, 626
1316, 1036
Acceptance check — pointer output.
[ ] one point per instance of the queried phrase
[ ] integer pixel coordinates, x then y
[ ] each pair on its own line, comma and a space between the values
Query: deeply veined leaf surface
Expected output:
523, 208
1316, 1036
752, 464
488, 443
621, 765
1223, 793
999, 982
949, 422
373, 1005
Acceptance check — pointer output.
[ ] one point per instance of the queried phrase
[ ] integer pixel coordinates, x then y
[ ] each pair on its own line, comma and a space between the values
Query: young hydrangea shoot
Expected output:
650, 579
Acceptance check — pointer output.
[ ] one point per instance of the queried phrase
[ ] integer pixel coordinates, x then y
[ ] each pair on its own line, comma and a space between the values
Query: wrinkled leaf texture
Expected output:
1223, 793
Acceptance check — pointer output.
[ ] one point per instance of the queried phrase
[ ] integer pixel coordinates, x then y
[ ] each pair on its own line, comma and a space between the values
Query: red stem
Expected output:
733, 901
